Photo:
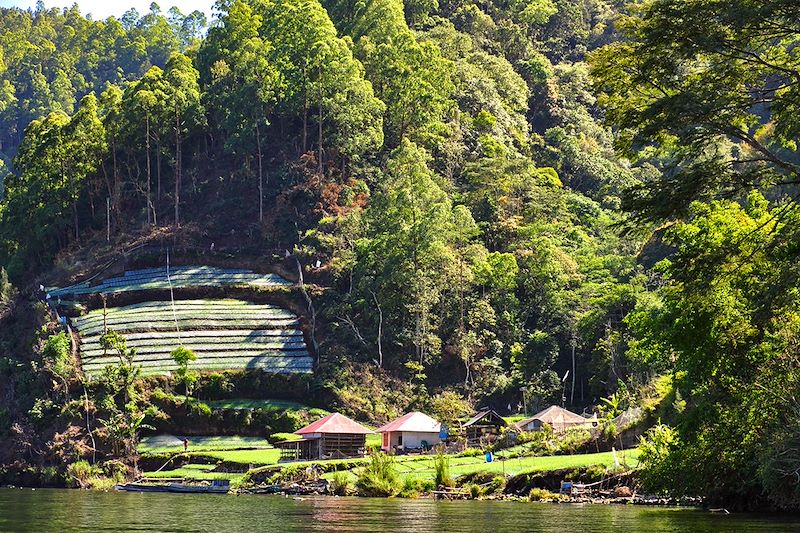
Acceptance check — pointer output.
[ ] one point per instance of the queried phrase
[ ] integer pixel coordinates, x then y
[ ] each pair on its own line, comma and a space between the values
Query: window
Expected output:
399, 439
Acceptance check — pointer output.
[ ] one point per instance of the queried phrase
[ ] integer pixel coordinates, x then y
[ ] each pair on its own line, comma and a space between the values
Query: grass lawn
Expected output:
245, 457
422, 467
513, 419
194, 471
468, 465
171, 444
267, 405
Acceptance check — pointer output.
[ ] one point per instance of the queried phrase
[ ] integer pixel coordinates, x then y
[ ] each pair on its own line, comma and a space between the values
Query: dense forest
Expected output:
507, 202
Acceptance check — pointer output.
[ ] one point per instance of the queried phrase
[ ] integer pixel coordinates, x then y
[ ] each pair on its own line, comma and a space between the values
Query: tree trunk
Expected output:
158, 169
319, 81
260, 176
115, 196
150, 219
177, 166
380, 329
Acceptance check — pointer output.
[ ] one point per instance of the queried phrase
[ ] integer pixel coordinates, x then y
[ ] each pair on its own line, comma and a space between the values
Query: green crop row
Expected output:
224, 335
189, 324
199, 348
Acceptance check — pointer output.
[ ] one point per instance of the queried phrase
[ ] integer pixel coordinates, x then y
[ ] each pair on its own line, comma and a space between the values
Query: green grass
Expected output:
160, 444
460, 466
280, 437
267, 405
513, 419
196, 472
422, 468
374, 440
244, 457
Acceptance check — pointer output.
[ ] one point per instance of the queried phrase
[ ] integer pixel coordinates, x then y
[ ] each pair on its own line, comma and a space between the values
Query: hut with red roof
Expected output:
333, 436
411, 431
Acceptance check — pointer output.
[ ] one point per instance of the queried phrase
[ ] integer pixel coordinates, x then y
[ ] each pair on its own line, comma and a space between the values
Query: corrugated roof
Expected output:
555, 415
414, 421
334, 423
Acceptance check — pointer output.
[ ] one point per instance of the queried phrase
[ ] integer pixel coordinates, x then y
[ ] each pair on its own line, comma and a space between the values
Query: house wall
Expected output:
411, 439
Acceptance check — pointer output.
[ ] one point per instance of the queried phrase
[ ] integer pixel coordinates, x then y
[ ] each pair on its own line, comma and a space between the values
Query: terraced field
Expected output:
179, 277
225, 334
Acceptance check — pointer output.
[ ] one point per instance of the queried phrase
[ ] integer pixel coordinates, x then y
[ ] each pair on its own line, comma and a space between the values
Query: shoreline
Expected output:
640, 500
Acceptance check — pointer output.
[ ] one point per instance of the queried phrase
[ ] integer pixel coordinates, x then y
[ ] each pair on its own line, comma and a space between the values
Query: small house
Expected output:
557, 418
334, 436
484, 428
410, 431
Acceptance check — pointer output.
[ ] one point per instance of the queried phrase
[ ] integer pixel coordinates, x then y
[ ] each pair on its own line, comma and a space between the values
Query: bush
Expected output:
441, 465
475, 491
538, 495
658, 468
498, 484
471, 452
379, 477
340, 483
411, 488
81, 471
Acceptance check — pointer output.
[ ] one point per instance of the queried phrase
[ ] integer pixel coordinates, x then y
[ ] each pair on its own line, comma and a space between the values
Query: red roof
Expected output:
414, 421
334, 423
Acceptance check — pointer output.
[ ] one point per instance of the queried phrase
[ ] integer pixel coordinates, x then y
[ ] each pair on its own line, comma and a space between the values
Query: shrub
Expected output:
411, 488
475, 491
340, 483
656, 447
115, 470
441, 465
497, 484
538, 495
81, 471
52, 477
103, 484
379, 477
200, 408
471, 452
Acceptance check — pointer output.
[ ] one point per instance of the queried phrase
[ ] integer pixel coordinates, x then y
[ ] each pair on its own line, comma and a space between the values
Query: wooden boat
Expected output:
218, 486
142, 487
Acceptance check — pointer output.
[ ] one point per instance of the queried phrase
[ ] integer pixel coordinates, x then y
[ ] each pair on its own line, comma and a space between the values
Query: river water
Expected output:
68, 511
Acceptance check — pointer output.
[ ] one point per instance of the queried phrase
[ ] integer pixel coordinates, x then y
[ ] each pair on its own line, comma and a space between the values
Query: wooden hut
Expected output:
411, 431
334, 436
556, 417
484, 428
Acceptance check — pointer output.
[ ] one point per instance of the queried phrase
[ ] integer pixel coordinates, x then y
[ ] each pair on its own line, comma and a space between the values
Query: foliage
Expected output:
655, 448
183, 356
340, 483
441, 465
379, 477
538, 494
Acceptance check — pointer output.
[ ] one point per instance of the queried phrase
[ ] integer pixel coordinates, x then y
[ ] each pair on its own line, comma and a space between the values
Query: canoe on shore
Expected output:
142, 487
220, 486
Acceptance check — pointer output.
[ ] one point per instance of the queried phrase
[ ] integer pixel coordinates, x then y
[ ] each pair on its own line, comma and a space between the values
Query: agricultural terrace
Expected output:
176, 277
225, 334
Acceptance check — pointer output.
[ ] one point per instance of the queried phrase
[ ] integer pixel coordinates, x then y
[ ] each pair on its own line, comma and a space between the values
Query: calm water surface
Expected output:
44, 511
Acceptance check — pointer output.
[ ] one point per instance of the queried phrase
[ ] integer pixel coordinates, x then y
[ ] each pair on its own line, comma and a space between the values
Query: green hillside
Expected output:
380, 206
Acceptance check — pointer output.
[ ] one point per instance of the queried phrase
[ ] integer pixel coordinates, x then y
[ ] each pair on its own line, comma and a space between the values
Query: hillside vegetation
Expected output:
505, 204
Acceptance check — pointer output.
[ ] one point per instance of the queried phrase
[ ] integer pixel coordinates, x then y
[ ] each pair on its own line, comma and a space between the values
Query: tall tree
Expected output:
183, 100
